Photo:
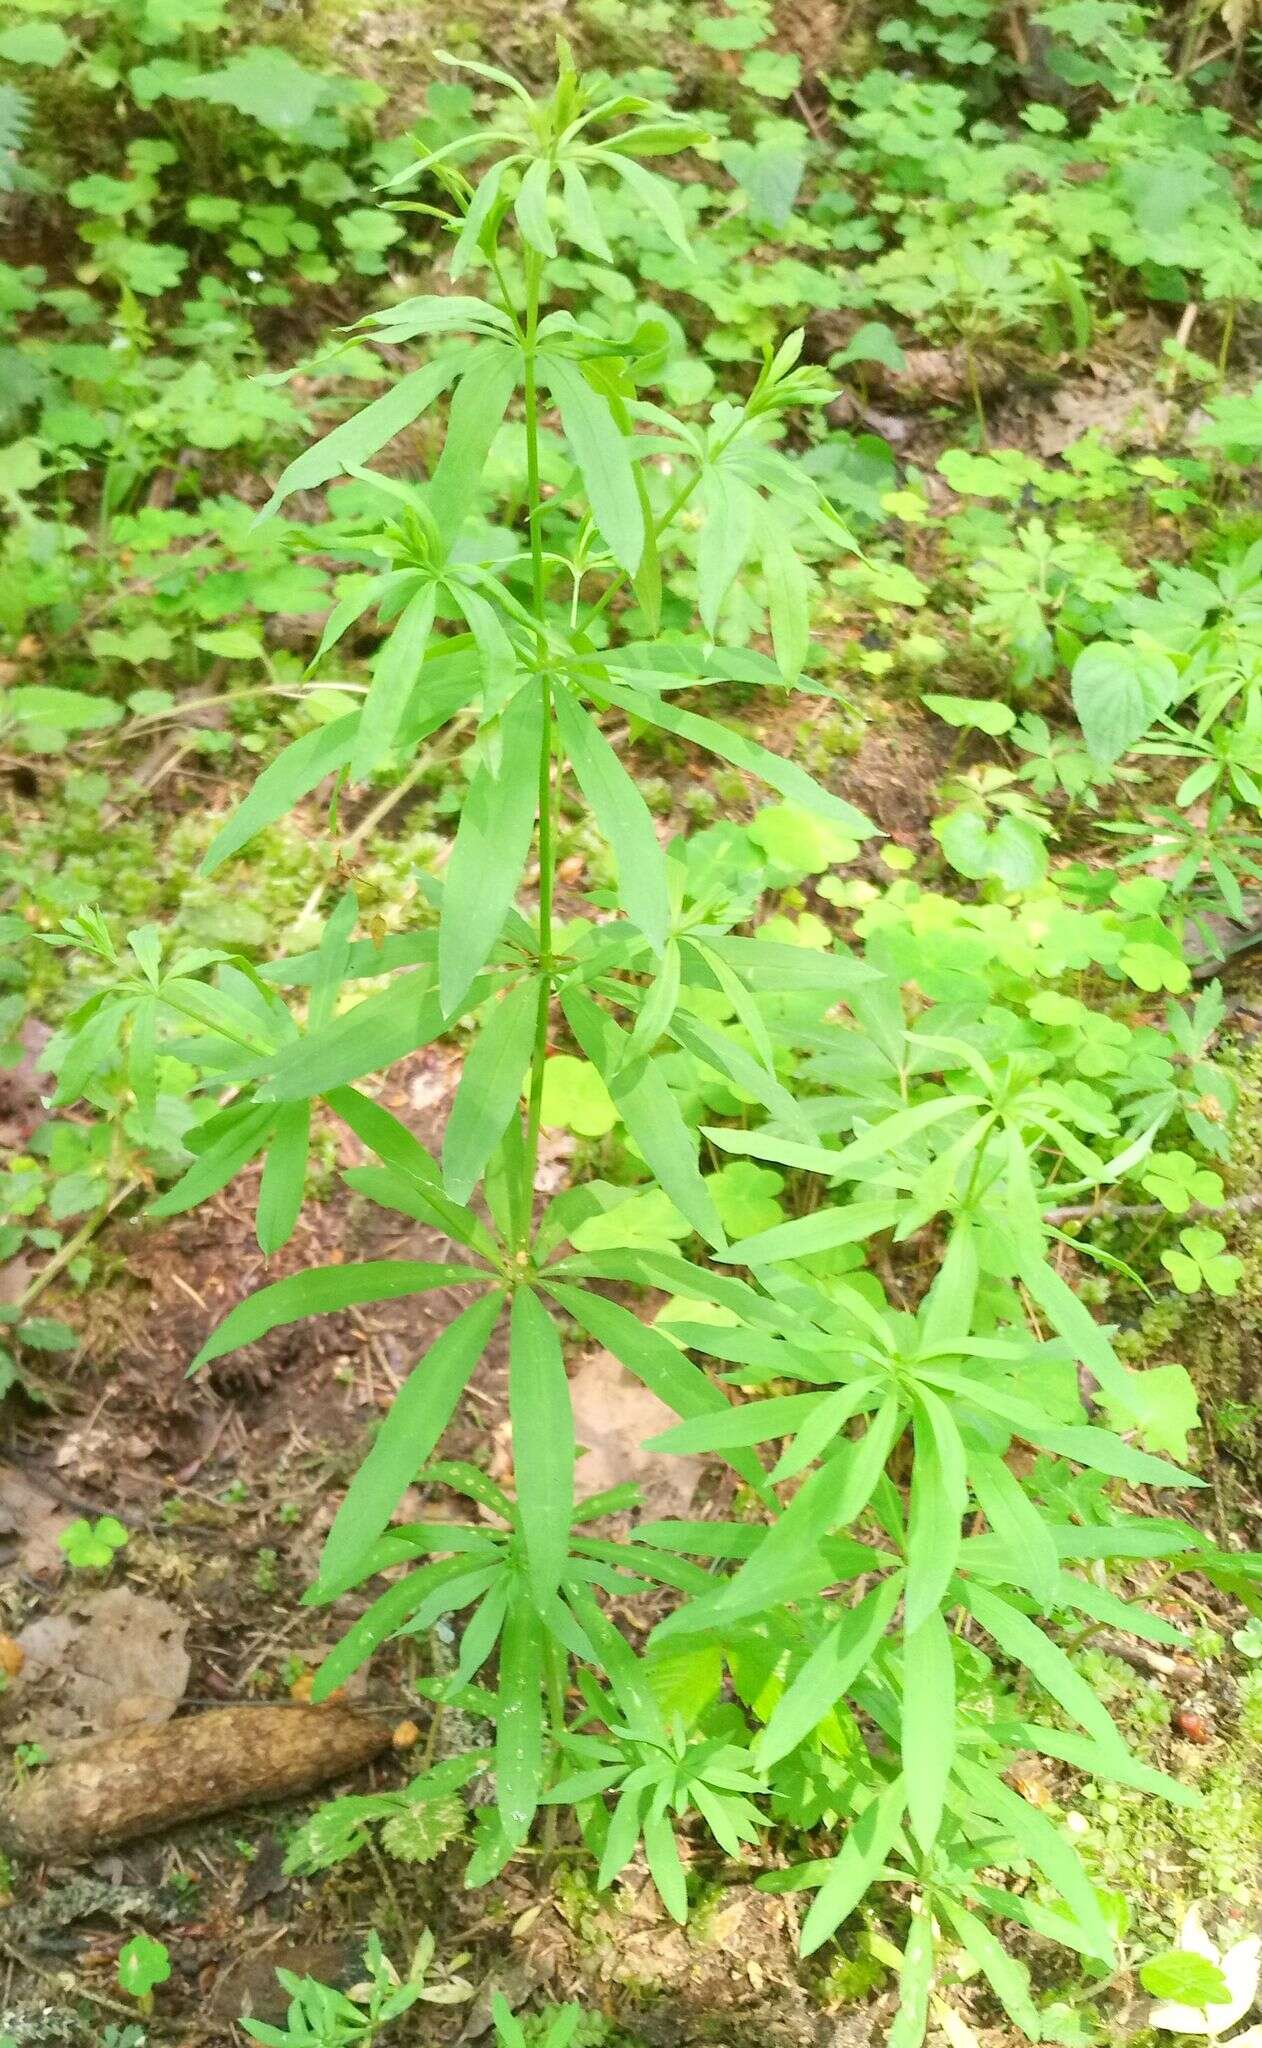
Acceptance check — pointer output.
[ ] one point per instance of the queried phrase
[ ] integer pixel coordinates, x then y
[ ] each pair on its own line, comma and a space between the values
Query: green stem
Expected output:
1225, 347
547, 846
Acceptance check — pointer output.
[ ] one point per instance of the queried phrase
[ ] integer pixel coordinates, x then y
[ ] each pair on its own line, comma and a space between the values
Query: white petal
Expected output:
1178, 2019
1192, 1936
1241, 1966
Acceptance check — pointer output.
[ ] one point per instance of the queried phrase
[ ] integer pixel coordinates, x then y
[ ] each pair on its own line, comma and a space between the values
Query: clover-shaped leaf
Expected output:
90, 1546
575, 1098
1203, 1262
1176, 1181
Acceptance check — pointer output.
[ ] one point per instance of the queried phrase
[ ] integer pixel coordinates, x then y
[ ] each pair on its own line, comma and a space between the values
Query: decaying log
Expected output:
153, 1778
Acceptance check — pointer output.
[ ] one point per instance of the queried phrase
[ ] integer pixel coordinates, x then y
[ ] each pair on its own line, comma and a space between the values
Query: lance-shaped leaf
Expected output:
284, 1177
358, 438
864, 1851
1017, 1523
238, 1134
650, 1112
475, 418
657, 1363
832, 1666
519, 1718
324, 1289
778, 773
726, 538
788, 599
421, 1410
383, 1028
446, 683
928, 1726
489, 855
490, 1087
603, 455
543, 1439
395, 673
939, 1497
623, 817
1033, 1651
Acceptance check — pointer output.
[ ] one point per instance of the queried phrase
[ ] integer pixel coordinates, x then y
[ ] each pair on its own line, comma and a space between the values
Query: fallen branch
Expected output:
154, 1778
1108, 1212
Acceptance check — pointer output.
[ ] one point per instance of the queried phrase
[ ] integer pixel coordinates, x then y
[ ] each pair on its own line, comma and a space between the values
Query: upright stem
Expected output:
547, 849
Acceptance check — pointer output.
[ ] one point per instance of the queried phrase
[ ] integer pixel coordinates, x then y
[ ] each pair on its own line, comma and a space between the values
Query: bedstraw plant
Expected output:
857, 1657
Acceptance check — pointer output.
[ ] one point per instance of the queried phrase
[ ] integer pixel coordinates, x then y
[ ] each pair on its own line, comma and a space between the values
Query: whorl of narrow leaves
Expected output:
893, 1448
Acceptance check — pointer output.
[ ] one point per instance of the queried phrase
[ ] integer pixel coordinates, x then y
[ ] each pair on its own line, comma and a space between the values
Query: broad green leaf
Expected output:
976, 714
358, 438
1118, 691
623, 817
395, 673
603, 455
490, 1087
492, 841
928, 1724
43, 704
543, 1439
419, 1414
1185, 1978
284, 1177
324, 1289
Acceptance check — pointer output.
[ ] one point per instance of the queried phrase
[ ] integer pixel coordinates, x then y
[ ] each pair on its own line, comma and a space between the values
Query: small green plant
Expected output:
93, 1546
143, 1964
322, 2017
